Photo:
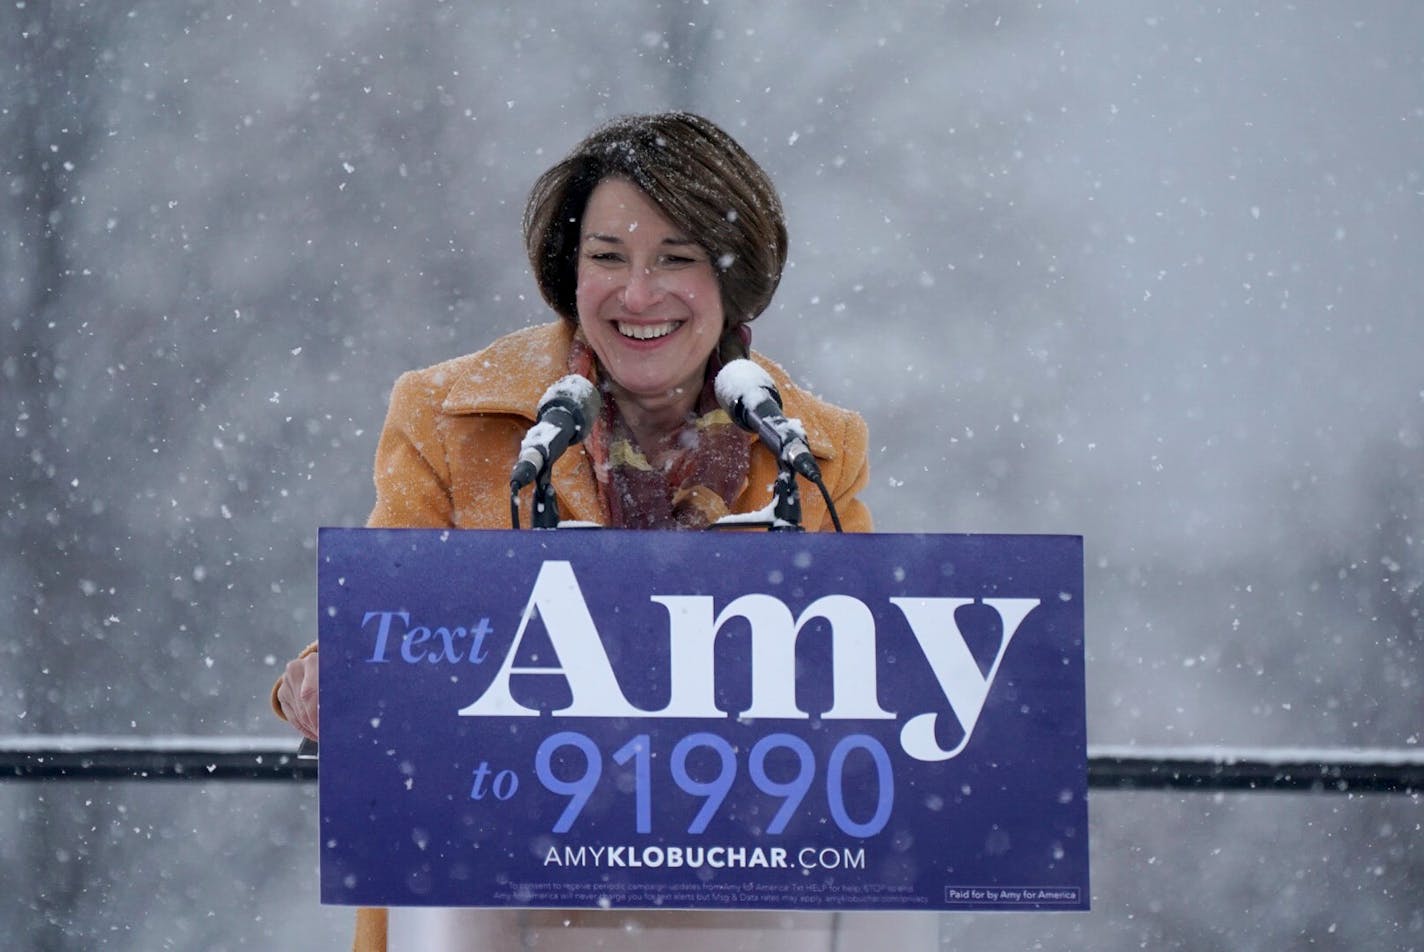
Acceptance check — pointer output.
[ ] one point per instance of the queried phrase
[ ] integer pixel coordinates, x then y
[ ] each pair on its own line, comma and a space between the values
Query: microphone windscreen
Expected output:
577, 395
743, 381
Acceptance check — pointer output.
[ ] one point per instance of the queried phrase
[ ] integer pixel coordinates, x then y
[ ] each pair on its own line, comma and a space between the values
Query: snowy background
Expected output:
1140, 270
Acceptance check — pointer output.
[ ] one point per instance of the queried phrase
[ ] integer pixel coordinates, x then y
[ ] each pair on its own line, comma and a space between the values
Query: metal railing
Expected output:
208, 759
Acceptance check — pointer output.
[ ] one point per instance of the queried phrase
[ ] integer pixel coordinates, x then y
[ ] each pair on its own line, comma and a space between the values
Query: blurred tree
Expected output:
59, 574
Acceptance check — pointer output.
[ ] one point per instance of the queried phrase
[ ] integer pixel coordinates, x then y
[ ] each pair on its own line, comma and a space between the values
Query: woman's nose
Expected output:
642, 291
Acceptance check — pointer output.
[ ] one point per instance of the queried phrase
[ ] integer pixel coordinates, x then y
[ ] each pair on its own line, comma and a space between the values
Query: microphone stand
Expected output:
546, 506
786, 514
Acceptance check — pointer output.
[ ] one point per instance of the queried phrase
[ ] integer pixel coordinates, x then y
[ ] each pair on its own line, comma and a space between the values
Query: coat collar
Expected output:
511, 375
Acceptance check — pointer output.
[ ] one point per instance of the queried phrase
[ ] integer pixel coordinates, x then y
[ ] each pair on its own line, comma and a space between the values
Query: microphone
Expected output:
749, 396
566, 414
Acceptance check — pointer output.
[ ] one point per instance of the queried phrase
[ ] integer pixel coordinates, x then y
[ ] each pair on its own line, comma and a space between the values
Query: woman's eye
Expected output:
605, 256
678, 260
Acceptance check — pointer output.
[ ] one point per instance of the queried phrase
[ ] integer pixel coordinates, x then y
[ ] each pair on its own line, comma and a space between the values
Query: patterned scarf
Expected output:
695, 486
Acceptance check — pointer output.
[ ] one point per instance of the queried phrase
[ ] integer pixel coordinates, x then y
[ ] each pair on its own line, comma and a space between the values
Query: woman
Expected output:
656, 241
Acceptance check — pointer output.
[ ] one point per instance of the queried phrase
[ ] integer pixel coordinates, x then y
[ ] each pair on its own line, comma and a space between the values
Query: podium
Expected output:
621, 719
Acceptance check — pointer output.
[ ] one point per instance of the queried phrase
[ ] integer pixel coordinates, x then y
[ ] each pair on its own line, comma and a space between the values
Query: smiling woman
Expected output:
649, 307
656, 241
698, 178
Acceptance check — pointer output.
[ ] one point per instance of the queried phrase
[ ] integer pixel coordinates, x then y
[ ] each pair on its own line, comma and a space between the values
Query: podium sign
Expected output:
702, 720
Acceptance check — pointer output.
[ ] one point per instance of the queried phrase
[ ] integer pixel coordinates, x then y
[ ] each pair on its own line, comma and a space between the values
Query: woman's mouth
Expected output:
647, 331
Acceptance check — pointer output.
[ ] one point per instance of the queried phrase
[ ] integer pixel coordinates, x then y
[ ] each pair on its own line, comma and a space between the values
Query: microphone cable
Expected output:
830, 505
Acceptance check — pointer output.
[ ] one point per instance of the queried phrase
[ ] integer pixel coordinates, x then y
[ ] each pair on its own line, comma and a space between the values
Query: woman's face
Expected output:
647, 298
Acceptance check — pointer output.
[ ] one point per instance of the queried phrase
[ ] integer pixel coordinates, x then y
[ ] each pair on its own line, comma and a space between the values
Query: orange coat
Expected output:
452, 436
453, 431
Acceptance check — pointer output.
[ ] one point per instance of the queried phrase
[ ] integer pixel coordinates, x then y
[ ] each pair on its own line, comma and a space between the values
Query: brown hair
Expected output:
699, 177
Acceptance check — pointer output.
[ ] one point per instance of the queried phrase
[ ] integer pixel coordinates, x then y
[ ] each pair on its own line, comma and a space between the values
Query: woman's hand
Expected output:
298, 694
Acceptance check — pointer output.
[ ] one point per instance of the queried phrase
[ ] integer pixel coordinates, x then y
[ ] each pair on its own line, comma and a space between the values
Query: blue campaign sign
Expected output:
702, 720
